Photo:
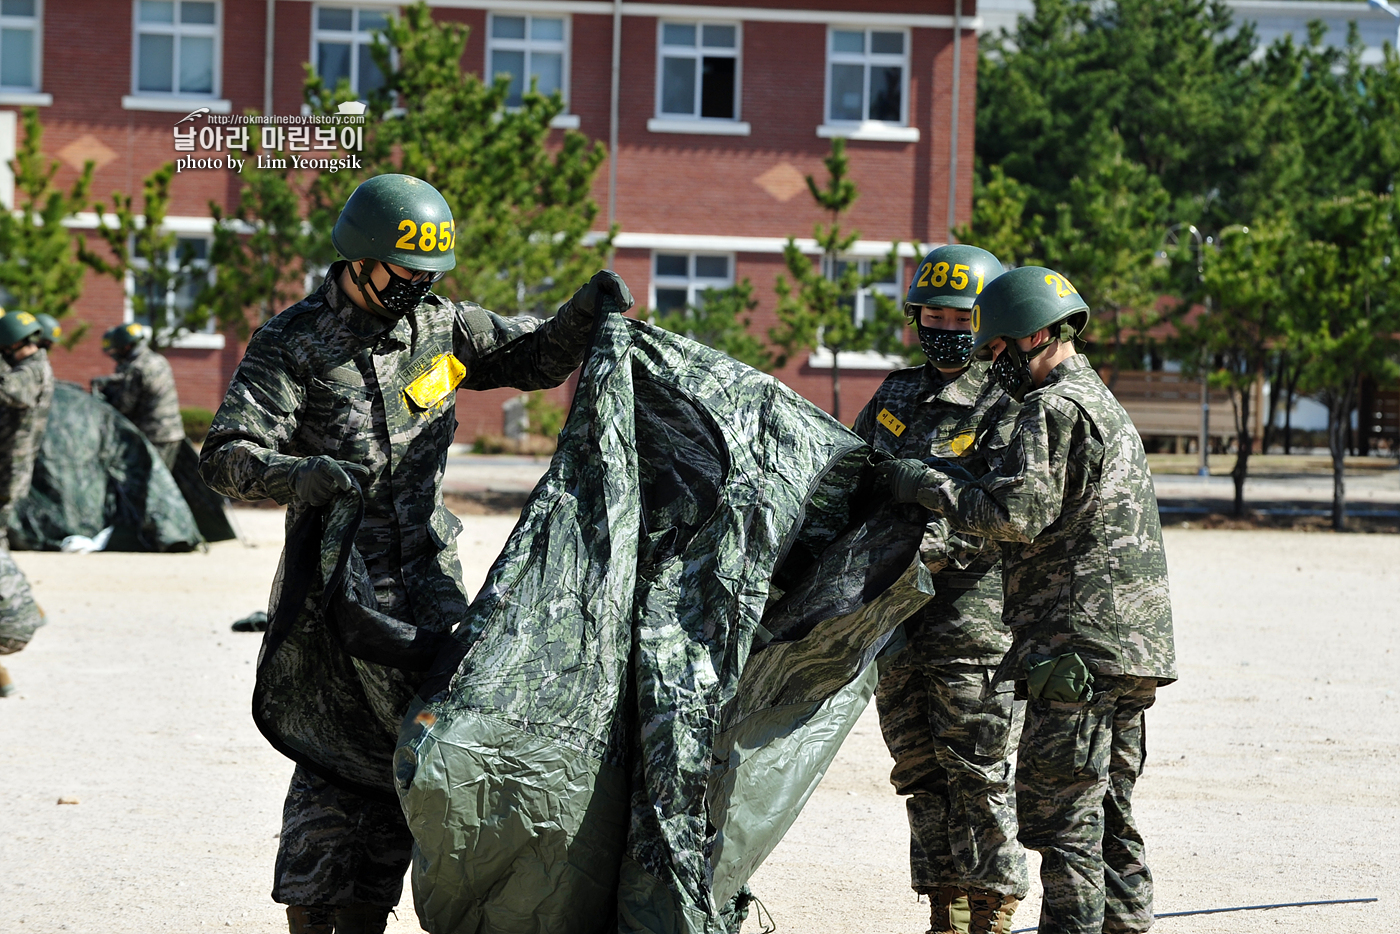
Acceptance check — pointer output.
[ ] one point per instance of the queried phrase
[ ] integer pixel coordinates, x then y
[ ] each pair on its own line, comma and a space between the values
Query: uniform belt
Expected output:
956, 581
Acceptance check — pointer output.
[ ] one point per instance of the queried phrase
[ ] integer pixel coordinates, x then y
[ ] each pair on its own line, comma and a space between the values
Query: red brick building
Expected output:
721, 110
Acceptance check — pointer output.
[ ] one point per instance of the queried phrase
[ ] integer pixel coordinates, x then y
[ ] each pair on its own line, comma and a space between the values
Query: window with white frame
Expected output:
19, 32
342, 38
177, 47
529, 48
189, 255
699, 71
867, 76
863, 305
679, 280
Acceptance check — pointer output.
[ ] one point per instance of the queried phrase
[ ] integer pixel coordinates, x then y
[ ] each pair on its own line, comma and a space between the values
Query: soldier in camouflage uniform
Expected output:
143, 389
26, 391
358, 380
49, 331
1086, 597
947, 727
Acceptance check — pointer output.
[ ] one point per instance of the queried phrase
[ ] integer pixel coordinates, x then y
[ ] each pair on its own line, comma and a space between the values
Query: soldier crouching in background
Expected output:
142, 389
26, 391
356, 386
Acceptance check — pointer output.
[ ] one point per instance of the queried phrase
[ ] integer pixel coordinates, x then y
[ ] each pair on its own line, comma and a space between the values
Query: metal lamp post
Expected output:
1198, 241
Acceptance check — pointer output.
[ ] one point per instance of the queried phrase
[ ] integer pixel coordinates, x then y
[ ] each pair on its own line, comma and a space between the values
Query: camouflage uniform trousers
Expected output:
949, 732
339, 848
1075, 773
19, 614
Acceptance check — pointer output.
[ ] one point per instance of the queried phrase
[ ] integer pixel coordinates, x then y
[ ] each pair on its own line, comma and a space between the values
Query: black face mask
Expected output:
400, 296
1012, 369
945, 349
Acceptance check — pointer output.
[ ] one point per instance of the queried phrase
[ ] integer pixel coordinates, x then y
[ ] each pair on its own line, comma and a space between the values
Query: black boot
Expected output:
310, 919
360, 918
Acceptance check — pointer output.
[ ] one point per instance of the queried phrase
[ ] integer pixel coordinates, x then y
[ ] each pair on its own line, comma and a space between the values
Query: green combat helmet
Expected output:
1017, 304
16, 327
951, 276
122, 338
401, 220
51, 329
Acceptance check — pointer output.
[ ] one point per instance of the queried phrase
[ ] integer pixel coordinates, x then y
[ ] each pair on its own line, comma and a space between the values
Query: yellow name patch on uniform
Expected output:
962, 442
887, 419
438, 383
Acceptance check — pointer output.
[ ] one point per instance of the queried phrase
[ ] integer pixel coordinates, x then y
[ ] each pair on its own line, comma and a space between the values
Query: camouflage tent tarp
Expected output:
95, 469
622, 733
661, 665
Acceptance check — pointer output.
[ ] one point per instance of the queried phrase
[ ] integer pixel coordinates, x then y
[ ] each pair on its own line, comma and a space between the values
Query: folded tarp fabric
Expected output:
663, 660
96, 470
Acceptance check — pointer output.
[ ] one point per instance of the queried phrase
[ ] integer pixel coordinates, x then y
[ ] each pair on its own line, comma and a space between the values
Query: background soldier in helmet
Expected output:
26, 390
49, 331
143, 389
947, 727
355, 385
1086, 597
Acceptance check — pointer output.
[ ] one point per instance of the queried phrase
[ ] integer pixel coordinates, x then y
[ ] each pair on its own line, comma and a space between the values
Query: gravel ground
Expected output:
1273, 774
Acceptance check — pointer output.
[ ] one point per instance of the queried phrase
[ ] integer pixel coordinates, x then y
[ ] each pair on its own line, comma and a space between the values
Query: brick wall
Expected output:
667, 183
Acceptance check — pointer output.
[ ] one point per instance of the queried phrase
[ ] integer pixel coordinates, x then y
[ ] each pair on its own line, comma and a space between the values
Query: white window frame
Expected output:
694, 122
360, 41
27, 94
865, 128
214, 31
207, 337
694, 285
864, 304
565, 120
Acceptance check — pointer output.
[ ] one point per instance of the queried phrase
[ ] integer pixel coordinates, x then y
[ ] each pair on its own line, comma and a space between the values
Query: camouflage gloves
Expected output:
901, 476
316, 479
605, 280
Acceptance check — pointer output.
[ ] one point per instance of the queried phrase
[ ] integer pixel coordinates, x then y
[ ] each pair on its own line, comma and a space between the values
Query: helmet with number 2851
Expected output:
397, 219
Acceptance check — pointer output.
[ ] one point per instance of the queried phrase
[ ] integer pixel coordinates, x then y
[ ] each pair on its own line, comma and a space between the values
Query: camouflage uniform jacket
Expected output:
26, 392
1073, 502
326, 377
919, 413
143, 389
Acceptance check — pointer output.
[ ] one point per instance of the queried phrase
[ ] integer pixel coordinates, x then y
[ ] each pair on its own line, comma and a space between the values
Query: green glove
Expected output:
605, 280
316, 479
1064, 678
901, 476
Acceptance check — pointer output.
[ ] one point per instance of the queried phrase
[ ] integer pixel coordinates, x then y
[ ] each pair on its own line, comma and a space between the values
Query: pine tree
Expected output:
719, 320
821, 309
141, 248
39, 268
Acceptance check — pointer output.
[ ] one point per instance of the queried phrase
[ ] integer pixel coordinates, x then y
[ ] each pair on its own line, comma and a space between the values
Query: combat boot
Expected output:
991, 913
949, 911
310, 919
360, 918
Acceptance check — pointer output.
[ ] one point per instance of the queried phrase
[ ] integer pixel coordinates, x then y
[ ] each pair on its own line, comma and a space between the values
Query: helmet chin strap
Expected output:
365, 283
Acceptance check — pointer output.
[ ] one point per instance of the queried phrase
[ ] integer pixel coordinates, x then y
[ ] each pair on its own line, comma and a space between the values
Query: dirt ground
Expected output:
1273, 772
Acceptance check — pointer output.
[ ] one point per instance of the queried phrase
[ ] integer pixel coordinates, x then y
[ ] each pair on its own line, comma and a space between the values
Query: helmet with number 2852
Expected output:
397, 219
1020, 302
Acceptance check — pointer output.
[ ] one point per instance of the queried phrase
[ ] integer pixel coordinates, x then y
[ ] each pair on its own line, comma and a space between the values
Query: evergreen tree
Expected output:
1346, 293
821, 310
720, 320
39, 268
141, 248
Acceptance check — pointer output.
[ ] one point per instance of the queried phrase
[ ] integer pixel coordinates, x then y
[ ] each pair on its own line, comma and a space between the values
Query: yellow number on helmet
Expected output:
428, 240
976, 321
406, 241
940, 276
447, 230
923, 275
958, 279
